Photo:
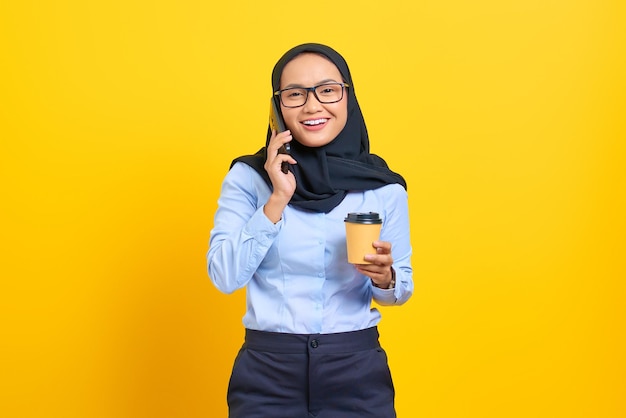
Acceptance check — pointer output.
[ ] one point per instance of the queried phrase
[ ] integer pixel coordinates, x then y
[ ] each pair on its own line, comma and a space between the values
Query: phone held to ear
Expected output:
278, 124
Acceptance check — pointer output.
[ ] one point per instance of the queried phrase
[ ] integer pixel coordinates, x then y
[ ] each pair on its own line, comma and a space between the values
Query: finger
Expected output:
273, 135
278, 144
379, 259
281, 137
373, 273
382, 247
382, 244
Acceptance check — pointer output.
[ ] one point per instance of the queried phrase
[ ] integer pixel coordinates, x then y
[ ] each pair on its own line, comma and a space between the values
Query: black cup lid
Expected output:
363, 218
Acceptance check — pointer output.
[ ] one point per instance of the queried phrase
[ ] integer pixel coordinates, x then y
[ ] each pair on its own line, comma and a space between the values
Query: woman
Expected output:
311, 347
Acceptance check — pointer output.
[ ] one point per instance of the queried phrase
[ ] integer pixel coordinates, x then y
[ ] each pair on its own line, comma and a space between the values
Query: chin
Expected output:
314, 142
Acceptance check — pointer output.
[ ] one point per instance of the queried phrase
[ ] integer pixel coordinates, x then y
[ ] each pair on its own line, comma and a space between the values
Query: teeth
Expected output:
314, 122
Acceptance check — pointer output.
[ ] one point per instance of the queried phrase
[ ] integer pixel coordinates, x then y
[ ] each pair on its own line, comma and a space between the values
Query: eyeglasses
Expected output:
324, 93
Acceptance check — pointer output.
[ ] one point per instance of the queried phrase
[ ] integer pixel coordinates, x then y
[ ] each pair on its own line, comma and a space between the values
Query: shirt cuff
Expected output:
260, 228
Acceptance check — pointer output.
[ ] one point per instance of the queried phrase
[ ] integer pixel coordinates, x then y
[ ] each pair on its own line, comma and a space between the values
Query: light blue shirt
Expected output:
296, 272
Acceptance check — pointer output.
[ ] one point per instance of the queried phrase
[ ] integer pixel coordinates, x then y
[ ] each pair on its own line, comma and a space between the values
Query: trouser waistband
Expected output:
341, 342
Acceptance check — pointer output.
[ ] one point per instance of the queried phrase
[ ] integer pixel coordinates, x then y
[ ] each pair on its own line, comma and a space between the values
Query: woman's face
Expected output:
314, 124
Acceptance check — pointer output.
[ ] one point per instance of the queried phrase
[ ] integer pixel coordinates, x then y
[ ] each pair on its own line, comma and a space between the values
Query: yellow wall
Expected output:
118, 120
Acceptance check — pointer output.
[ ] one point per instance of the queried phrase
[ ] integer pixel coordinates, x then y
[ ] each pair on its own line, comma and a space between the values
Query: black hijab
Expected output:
324, 175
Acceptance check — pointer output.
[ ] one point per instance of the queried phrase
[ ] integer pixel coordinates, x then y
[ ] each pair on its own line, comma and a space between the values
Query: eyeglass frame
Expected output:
311, 90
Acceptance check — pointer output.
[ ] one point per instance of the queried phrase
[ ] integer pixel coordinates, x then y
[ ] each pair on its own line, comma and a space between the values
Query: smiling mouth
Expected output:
314, 122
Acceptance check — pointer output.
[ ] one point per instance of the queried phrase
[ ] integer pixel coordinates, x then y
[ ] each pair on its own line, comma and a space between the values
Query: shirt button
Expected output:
314, 344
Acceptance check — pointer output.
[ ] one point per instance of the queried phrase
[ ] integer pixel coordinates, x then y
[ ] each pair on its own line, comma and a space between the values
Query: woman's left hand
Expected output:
380, 269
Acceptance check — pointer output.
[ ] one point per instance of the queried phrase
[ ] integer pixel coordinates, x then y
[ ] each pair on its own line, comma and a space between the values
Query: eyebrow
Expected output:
328, 80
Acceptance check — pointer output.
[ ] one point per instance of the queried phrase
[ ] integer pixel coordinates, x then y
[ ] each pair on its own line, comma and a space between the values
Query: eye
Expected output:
293, 93
328, 89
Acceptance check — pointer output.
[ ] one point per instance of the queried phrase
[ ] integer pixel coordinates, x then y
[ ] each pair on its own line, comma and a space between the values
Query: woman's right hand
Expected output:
283, 184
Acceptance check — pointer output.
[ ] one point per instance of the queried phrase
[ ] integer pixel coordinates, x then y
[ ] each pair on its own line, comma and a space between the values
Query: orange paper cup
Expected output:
362, 229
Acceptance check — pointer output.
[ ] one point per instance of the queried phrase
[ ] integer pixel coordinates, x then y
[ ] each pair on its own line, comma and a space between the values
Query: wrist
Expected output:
273, 208
392, 282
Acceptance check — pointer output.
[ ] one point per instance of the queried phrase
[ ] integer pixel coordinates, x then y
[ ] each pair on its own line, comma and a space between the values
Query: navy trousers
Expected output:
343, 375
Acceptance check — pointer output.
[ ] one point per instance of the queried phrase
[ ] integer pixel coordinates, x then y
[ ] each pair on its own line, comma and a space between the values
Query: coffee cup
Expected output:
362, 229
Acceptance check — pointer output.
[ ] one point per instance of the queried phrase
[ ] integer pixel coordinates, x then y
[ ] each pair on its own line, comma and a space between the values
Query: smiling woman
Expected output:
318, 121
311, 345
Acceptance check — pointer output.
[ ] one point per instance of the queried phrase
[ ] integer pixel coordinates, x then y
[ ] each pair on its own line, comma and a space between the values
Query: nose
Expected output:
312, 104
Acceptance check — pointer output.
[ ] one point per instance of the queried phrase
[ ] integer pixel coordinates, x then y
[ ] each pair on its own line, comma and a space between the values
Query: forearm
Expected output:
396, 231
234, 256
274, 207
242, 233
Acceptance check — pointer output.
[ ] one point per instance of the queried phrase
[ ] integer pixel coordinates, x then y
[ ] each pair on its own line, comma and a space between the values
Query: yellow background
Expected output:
118, 120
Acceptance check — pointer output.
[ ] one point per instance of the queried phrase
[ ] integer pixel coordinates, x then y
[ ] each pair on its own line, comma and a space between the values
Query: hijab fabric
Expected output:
324, 175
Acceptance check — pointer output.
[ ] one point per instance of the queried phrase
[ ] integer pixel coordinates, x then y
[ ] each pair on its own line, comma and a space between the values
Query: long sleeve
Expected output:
242, 234
396, 230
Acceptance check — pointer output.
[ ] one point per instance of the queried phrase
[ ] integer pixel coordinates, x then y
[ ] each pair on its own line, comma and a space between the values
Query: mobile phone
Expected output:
278, 124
